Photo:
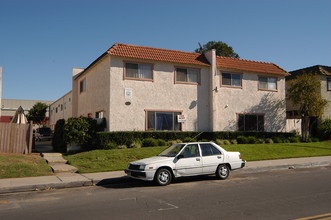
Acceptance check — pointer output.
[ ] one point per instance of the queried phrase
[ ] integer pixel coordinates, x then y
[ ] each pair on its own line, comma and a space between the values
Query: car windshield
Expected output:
172, 151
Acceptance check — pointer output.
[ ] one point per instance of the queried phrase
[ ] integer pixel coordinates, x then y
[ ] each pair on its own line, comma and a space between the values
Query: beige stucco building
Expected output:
60, 109
143, 88
325, 77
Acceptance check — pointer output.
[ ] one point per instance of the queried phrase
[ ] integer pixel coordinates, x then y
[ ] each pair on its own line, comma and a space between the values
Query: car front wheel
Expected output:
222, 172
163, 177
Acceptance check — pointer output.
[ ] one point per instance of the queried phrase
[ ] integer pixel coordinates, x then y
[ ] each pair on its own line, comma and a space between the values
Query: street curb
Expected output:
283, 167
84, 180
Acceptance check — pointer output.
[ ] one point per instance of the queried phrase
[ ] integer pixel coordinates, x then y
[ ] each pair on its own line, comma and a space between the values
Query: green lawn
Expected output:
253, 152
111, 160
18, 165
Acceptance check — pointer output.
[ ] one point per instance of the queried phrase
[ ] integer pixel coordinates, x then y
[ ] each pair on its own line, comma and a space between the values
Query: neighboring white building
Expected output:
60, 109
143, 88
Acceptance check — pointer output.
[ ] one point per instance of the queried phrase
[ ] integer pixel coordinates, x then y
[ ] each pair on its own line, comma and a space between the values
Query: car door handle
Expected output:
219, 157
198, 159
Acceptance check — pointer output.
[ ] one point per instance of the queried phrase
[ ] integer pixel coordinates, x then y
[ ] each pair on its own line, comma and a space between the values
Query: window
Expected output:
209, 150
99, 114
163, 121
231, 79
267, 83
186, 75
141, 71
328, 81
251, 122
191, 150
82, 86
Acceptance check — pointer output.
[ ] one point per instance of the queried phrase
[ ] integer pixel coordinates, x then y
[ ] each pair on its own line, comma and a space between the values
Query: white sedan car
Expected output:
186, 159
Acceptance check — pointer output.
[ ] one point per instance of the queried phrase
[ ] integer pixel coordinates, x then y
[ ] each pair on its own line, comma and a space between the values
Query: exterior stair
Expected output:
58, 164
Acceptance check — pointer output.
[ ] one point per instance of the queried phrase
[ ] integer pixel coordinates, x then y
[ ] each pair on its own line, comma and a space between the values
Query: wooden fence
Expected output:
16, 138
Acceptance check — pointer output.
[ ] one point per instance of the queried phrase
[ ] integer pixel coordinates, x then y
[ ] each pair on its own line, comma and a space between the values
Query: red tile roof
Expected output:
248, 65
150, 53
174, 56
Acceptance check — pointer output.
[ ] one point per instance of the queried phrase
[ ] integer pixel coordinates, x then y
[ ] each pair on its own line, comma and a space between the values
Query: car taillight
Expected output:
240, 157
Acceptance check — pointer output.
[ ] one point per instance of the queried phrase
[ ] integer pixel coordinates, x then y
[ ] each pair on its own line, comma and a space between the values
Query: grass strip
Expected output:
118, 159
18, 165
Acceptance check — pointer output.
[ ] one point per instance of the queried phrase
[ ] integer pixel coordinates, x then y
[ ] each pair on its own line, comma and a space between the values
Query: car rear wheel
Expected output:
222, 171
163, 177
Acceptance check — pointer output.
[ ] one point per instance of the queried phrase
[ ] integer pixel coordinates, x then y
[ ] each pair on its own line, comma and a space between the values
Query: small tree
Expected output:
222, 49
305, 92
37, 113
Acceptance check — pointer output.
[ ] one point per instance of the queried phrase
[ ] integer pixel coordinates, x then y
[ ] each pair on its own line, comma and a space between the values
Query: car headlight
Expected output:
142, 167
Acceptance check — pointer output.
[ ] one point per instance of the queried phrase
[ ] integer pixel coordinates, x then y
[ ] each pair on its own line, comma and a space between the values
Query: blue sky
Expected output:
41, 40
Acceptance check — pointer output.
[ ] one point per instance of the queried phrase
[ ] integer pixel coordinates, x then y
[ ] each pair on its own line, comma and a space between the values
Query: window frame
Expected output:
231, 73
188, 83
268, 77
257, 122
328, 81
161, 111
125, 77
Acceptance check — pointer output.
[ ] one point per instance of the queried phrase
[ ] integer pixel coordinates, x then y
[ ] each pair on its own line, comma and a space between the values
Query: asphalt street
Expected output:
286, 194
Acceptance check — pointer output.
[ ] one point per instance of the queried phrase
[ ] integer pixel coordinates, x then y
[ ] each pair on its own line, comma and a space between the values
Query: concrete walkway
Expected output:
106, 178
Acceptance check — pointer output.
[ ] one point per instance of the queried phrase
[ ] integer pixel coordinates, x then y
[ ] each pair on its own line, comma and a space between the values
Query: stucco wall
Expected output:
161, 94
96, 96
60, 109
326, 95
250, 100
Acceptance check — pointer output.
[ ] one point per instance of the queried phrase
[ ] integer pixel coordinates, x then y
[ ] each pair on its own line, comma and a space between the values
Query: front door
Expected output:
191, 163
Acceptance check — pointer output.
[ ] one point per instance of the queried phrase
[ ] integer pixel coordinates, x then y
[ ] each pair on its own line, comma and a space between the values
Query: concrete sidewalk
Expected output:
105, 178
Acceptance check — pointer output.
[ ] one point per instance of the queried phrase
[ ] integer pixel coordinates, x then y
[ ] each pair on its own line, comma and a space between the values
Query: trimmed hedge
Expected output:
128, 137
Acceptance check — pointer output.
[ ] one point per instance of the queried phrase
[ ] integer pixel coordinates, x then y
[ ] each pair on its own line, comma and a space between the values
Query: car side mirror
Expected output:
180, 156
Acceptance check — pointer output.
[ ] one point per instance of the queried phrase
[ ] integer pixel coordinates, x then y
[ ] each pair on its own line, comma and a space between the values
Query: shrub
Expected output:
122, 147
161, 142
286, 141
204, 140
110, 145
252, 140
149, 142
269, 141
172, 142
58, 143
136, 143
294, 139
261, 141
277, 140
127, 137
219, 142
242, 140
188, 139
76, 130
222, 142
325, 129
234, 141
315, 140
227, 142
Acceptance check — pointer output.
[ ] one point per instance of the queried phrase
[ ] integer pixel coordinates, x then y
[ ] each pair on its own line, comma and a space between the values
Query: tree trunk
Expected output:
305, 128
